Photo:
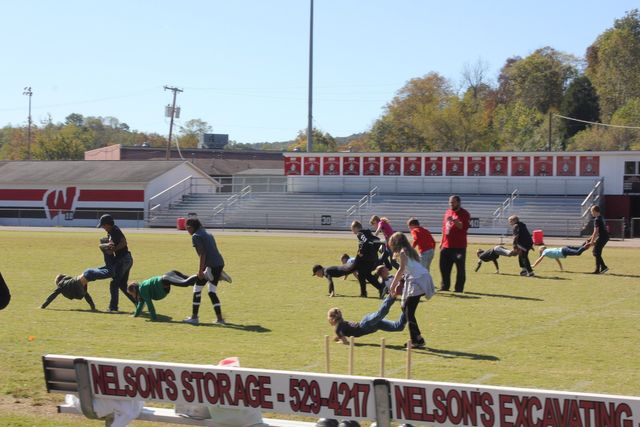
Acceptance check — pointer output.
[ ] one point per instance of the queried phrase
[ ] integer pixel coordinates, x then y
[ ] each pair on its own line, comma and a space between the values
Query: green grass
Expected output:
561, 330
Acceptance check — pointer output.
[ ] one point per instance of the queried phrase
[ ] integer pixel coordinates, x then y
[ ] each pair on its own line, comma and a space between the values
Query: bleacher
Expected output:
555, 215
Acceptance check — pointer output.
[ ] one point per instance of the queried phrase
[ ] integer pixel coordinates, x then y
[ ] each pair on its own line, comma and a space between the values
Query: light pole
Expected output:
310, 115
27, 91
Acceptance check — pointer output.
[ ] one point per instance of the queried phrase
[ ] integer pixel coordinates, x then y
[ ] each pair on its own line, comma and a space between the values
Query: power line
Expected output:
596, 123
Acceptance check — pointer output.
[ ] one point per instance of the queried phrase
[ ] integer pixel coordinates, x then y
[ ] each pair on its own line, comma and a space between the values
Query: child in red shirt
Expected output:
422, 241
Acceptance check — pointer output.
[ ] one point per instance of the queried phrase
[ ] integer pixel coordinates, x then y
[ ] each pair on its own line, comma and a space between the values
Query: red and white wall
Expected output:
552, 172
81, 204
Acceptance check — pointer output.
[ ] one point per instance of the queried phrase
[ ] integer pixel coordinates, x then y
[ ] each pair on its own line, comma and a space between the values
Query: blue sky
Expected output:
243, 64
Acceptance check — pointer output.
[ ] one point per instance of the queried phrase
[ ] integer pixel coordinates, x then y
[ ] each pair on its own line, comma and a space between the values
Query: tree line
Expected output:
546, 100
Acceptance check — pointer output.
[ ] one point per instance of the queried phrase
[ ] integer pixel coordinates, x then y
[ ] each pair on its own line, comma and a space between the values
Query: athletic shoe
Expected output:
224, 276
531, 274
524, 273
363, 295
112, 310
220, 322
604, 270
192, 321
595, 272
208, 274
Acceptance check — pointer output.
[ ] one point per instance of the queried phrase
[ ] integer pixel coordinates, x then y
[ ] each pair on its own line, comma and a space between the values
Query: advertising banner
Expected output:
520, 166
455, 166
351, 165
331, 166
433, 166
391, 166
413, 166
542, 166
566, 165
476, 166
589, 165
498, 166
293, 165
371, 166
312, 166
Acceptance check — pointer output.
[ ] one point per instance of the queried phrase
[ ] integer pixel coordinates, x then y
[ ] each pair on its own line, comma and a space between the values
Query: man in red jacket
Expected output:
453, 246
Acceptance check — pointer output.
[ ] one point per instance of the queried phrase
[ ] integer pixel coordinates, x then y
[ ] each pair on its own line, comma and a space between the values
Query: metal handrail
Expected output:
157, 199
231, 200
170, 188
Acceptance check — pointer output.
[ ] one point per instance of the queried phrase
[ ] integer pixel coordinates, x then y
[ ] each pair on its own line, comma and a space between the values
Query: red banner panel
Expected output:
433, 166
312, 165
476, 166
331, 166
520, 166
589, 166
455, 166
292, 165
391, 166
566, 165
371, 166
542, 165
351, 165
413, 166
498, 165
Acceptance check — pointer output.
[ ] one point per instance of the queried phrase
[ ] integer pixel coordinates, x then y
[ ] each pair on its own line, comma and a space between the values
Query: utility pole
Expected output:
172, 112
28, 92
549, 141
310, 116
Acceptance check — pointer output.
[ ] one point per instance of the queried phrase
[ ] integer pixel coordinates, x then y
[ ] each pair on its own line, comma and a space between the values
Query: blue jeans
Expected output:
376, 321
99, 273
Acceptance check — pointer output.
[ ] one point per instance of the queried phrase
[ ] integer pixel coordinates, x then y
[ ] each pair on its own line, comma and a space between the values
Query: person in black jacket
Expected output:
523, 243
5, 295
330, 272
492, 255
71, 287
598, 239
366, 258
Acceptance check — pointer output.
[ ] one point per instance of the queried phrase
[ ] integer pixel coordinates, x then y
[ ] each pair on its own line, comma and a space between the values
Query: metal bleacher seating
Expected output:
555, 215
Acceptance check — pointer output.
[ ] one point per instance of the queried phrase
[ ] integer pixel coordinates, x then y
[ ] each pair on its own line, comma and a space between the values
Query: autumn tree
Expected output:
191, 131
613, 64
322, 142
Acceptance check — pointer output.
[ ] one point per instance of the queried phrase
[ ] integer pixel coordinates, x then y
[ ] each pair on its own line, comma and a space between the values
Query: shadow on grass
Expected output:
448, 354
633, 276
248, 328
505, 296
456, 295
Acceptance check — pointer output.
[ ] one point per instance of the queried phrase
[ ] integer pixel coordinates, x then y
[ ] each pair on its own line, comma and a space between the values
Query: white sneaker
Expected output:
224, 276
192, 321
208, 274
220, 322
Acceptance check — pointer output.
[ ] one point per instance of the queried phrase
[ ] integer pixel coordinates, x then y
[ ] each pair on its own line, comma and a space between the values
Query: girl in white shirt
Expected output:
418, 282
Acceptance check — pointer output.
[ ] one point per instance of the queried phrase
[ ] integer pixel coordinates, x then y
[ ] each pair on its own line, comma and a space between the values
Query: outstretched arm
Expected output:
560, 264
89, 301
538, 261
51, 297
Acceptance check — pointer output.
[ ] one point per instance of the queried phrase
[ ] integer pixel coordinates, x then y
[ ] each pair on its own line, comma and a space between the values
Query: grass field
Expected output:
560, 330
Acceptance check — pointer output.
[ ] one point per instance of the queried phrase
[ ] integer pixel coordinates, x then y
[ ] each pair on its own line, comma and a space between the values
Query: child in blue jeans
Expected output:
369, 324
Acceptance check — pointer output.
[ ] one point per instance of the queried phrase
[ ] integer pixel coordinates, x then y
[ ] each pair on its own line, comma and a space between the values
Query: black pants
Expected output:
409, 309
523, 260
597, 253
121, 268
364, 268
5, 295
449, 257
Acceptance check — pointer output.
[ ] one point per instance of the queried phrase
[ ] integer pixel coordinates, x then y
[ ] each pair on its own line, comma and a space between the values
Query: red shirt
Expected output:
422, 239
452, 236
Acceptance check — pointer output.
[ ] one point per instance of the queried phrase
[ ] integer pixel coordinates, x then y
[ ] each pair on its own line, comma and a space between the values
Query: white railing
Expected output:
593, 198
504, 208
167, 196
232, 200
364, 201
